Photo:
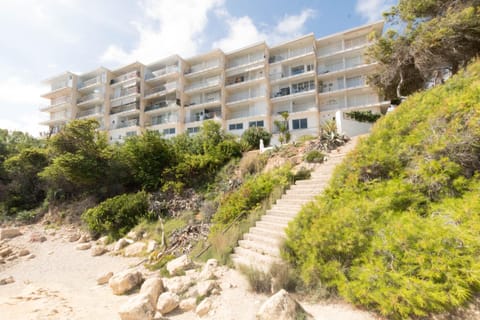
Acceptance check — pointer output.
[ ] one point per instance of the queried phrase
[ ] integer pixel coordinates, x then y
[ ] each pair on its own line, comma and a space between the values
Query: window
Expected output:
299, 124
255, 123
131, 133
235, 126
193, 130
355, 82
168, 131
298, 70
303, 86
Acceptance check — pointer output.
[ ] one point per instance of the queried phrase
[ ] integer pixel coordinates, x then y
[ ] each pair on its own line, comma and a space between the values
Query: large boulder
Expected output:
152, 287
281, 306
135, 249
83, 246
137, 308
208, 270
8, 233
178, 265
120, 244
204, 288
188, 304
167, 302
204, 307
125, 281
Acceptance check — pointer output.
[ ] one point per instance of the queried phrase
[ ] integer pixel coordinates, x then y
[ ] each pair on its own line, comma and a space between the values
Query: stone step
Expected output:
282, 213
279, 233
291, 201
260, 247
254, 259
273, 218
298, 195
267, 239
280, 226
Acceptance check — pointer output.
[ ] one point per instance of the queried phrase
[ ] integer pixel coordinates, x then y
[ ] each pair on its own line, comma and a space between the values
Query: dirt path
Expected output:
60, 283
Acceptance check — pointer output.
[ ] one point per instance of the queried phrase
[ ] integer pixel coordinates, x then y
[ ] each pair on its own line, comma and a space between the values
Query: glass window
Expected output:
255, 123
299, 124
235, 126
169, 131
193, 130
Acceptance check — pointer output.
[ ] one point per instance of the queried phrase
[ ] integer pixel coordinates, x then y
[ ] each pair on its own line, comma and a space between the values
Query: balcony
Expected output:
57, 118
245, 61
164, 119
57, 103
125, 93
276, 77
89, 98
208, 115
332, 50
298, 88
202, 85
160, 73
245, 96
90, 83
161, 105
203, 67
125, 108
125, 124
242, 79
160, 90
90, 113
203, 102
290, 54
125, 77
58, 89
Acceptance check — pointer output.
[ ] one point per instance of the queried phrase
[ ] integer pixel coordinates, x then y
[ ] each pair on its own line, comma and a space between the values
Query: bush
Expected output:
253, 135
398, 229
116, 216
314, 156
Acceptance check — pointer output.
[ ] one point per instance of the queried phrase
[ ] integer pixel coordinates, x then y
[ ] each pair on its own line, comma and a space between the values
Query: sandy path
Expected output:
60, 283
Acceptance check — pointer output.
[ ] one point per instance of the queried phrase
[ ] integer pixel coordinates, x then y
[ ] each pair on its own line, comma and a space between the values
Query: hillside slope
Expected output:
398, 230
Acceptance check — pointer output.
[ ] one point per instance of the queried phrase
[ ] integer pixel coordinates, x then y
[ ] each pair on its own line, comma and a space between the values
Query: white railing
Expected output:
89, 97
61, 84
215, 115
160, 104
241, 79
245, 60
202, 84
245, 95
331, 68
291, 53
90, 82
163, 88
210, 99
203, 66
126, 124
161, 72
169, 118
60, 100
89, 112
125, 92
125, 77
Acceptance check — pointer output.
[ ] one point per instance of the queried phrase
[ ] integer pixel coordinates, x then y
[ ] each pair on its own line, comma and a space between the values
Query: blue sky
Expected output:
42, 38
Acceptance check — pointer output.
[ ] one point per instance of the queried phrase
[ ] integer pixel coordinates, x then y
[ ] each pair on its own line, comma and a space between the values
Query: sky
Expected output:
43, 38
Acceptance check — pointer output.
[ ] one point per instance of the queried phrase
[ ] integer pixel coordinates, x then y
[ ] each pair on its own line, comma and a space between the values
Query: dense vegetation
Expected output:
398, 230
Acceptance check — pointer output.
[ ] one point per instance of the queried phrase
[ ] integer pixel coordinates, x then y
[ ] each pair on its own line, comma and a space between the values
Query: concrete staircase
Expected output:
260, 247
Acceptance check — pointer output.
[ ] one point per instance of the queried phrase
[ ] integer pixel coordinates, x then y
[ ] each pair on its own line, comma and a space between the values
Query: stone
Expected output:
103, 240
8, 233
2, 261
204, 307
188, 304
23, 252
12, 257
167, 302
124, 281
178, 285
137, 308
134, 249
120, 244
37, 237
98, 250
83, 246
208, 270
151, 246
152, 287
205, 287
74, 237
84, 238
178, 265
6, 280
282, 306
31, 256
6, 252
134, 235
103, 279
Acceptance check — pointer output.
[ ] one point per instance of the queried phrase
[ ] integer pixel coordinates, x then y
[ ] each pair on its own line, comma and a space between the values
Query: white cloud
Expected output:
14, 90
372, 10
168, 27
242, 31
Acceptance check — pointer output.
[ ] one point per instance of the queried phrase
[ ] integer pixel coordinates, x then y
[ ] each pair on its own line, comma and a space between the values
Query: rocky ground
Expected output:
48, 273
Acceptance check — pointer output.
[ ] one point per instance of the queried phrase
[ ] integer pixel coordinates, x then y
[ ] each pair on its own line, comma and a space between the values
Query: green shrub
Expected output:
116, 216
253, 135
314, 156
398, 229
364, 116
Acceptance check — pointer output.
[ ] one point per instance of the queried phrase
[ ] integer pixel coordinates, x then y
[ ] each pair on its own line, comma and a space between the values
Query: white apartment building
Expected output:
314, 80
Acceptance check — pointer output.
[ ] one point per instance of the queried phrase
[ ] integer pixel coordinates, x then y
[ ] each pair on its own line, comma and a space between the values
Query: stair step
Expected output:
268, 232
254, 259
291, 201
272, 225
282, 213
267, 239
273, 218
260, 247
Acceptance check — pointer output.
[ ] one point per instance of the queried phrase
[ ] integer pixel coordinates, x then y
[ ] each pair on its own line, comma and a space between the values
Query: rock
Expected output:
104, 278
83, 246
208, 270
134, 249
125, 281
205, 287
282, 306
84, 238
8, 233
37, 237
179, 264
6, 280
31, 256
204, 307
188, 304
2, 261
134, 235
23, 252
167, 302
74, 237
152, 287
151, 246
178, 285
103, 241
137, 308
6, 252
98, 251
12, 257
120, 244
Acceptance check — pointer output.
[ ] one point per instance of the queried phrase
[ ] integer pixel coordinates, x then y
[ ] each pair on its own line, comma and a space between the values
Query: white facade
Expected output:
314, 80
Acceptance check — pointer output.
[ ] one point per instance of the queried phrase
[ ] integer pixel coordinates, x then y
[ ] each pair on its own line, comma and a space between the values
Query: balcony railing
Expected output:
163, 119
245, 96
245, 61
90, 82
126, 123
89, 112
61, 84
294, 90
215, 115
162, 88
161, 72
125, 92
89, 97
125, 108
290, 54
202, 84
241, 79
161, 104
125, 77
203, 66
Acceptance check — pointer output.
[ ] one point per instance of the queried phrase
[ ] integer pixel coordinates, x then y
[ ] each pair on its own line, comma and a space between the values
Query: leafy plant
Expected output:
364, 116
314, 156
282, 126
253, 135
